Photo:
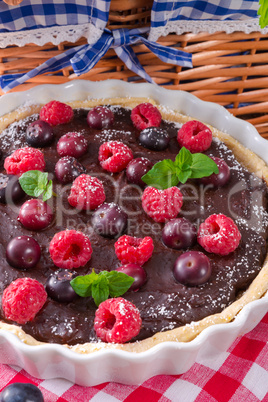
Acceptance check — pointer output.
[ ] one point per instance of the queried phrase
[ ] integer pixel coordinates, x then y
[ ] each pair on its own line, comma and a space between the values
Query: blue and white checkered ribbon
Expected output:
83, 58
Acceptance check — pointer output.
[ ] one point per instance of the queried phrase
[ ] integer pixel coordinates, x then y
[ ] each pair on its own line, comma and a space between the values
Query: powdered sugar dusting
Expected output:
12, 138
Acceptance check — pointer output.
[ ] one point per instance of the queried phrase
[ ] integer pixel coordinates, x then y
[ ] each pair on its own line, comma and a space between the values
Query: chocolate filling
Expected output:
163, 302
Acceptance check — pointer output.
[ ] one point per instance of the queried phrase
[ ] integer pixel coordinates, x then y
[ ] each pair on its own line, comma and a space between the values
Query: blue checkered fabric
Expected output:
165, 11
35, 14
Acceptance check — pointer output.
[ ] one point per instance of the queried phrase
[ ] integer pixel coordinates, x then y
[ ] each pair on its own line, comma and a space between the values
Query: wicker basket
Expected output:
230, 69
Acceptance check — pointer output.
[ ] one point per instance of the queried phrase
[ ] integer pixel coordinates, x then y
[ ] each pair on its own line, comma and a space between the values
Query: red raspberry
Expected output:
162, 205
70, 249
87, 192
134, 249
114, 156
24, 159
23, 299
145, 115
117, 320
56, 112
218, 234
195, 136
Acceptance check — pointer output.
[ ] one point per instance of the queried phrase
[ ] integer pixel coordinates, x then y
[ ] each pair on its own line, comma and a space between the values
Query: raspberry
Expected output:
114, 156
56, 112
195, 136
134, 249
117, 320
145, 115
87, 192
70, 249
162, 205
218, 234
23, 299
24, 159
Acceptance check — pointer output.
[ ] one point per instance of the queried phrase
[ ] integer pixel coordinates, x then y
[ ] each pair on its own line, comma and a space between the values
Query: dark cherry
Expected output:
58, 286
136, 272
72, 144
192, 268
136, 169
39, 134
21, 392
23, 252
67, 169
221, 178
100, 117
109, 220
154, 138
179, 233
35, 214
10, 189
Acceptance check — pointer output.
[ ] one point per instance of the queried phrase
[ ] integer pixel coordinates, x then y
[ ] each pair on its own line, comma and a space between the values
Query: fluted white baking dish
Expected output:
56, 361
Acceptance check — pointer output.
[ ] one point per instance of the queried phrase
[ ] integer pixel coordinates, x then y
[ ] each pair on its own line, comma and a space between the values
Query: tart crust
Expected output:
186, 333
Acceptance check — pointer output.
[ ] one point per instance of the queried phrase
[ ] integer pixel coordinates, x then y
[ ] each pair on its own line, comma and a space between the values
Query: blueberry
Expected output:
35, 214
179, 233
192, 268
109, 220
39, 134
23, 252
72, 144
136, 169
21, 392
10, 189
221, 178
136, 272
154, 138
67, 169
58, 286
100, 117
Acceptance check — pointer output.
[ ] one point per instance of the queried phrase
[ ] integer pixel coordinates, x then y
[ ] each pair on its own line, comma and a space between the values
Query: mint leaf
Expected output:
36, 192
119, 282
100, 289
263, 12
82, 284
184, 159
48, 191
42, 179
183, 175
202, 166
101, 285
34, 183
162, 175
183, 163
167, 173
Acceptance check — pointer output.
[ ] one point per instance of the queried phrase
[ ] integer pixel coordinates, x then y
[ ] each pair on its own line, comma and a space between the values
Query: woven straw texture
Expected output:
229, 69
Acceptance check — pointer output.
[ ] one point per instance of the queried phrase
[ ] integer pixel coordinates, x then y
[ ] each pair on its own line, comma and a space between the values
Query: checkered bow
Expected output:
32, 14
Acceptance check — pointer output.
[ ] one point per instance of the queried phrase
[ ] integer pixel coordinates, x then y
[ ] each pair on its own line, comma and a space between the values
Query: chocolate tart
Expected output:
170, 311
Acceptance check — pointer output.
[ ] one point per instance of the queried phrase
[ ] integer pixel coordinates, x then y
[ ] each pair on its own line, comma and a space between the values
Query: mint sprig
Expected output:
167, 173
263, 13
35, 183
101, 286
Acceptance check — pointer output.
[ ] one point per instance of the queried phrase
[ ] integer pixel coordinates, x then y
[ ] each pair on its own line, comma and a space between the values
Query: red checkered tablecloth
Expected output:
239, 374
